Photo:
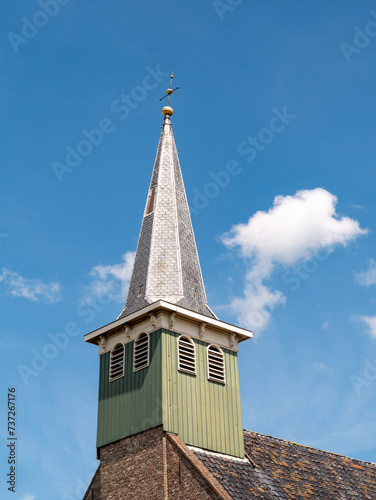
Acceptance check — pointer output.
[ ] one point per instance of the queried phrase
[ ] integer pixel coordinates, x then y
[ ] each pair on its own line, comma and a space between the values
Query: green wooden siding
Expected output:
204, 413
132, 403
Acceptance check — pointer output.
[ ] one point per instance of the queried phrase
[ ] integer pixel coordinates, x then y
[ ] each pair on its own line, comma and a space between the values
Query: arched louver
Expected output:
141, 352
117, 362
186, 355
216, 364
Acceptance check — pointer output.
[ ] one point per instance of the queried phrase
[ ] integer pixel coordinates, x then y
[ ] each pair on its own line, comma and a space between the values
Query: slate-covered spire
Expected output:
166, 266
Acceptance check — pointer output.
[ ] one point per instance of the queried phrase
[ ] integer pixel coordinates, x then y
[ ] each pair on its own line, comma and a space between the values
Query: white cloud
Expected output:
294, 228
254, 309
368, 277
32, 289
111, 280
29, 497
369, 323
292, 231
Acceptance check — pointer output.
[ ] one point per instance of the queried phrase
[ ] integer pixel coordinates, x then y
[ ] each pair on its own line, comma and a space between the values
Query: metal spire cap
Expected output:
167, 110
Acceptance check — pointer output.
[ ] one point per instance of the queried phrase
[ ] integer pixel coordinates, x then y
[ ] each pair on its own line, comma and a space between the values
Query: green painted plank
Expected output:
132, 403
204, 413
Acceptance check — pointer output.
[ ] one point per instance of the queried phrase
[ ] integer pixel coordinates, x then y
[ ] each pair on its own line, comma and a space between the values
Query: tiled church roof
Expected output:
277, 469
166, 265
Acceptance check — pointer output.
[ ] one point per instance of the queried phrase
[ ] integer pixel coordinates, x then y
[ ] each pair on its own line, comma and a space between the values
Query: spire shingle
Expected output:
166, 266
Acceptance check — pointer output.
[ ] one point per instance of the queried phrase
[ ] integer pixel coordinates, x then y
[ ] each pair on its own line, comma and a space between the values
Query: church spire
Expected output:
166, 264
167, 362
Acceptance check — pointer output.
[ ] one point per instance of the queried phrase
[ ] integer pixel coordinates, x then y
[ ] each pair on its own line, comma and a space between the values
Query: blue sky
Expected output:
274, 123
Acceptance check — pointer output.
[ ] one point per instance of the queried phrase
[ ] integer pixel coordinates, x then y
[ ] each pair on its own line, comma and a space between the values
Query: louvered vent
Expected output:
216, 364
186, 355
141, 352
117, 362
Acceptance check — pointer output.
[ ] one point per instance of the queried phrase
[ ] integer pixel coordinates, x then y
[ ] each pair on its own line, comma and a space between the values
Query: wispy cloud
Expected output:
320, 367
290, 232
369, 323
110, 280
368, 277
29, 497
35, 290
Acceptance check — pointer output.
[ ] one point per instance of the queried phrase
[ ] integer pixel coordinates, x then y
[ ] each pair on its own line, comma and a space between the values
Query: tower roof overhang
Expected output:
152, 310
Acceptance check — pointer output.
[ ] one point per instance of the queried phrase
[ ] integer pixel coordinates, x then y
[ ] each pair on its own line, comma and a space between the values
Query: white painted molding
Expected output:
128, 331
172, 319
153, 319
202, 330
160, 315
232, 339
102, 343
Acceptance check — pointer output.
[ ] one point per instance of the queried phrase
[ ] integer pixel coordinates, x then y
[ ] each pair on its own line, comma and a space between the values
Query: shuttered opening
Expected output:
216, 364
186, 355
141, 352
117, 362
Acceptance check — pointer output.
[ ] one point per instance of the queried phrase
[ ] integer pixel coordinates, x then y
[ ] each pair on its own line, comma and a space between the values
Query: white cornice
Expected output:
179, 312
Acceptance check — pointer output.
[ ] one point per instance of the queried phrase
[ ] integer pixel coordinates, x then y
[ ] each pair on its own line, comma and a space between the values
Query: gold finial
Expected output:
167, 110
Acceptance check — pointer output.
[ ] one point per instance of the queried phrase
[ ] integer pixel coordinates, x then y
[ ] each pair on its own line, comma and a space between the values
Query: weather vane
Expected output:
167, 110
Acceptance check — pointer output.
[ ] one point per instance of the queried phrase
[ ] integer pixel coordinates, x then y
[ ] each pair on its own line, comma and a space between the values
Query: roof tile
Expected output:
287, 471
